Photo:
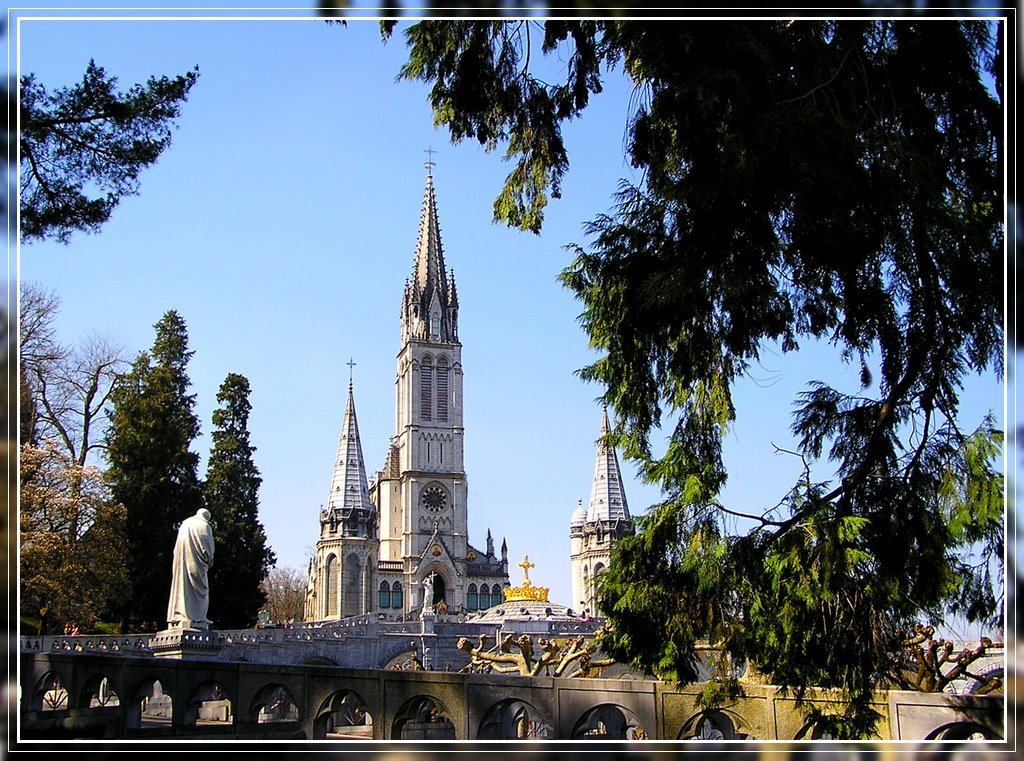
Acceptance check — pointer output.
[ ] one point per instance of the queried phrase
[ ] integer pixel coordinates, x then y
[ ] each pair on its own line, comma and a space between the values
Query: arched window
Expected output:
495, 595
484, 601
598, 568
442, 390
426, 388
384, 596
396, 595
331, 592
471, 598
351, 603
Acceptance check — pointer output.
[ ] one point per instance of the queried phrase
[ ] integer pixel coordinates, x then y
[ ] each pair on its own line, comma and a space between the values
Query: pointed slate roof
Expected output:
607, 497
428, 275
349, 490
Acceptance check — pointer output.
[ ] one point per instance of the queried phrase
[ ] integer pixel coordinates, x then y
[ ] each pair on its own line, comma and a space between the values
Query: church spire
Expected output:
430, 307
348, 502
607, 497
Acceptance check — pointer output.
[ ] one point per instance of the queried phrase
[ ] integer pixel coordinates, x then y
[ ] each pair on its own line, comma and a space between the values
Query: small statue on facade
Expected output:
428, 594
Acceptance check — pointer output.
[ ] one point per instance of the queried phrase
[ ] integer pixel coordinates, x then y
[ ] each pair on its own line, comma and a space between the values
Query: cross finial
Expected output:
430, 160
350, 364
526, 565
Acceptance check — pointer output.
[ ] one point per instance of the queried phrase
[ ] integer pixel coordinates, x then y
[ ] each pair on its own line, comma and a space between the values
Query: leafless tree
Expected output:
67, 388
286, 592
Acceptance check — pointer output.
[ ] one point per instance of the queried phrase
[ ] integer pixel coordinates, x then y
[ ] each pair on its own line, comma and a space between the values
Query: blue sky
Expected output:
281, 225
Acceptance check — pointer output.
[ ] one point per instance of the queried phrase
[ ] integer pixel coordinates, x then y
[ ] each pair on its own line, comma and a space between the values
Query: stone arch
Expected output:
396, 657
715, 725
150, 707
316, 658
423, 717
513, 719
610, 721
273, 704
49, 693
209, 705
99, 693
343, 715
963, 730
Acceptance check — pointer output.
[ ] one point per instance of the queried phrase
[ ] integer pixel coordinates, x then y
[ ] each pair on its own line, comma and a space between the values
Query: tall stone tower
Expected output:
343, 569
421, 492
379, 542
594, 531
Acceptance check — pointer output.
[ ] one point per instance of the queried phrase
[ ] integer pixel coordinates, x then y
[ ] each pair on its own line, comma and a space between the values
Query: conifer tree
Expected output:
231, 493
800, 180
152, 471
83, 147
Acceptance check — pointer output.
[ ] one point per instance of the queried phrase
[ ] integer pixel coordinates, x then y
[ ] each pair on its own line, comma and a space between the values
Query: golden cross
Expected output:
526, 565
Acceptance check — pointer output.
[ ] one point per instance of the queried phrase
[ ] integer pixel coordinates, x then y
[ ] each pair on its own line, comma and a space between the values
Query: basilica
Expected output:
387, 542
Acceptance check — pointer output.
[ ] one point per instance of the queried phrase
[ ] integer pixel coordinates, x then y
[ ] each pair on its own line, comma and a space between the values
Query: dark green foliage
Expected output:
482, 92
152, 471
836, 181
83, 147
231, 492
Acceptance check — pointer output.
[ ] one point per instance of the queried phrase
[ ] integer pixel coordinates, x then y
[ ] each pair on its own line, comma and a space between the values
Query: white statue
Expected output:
428, 594
190, 591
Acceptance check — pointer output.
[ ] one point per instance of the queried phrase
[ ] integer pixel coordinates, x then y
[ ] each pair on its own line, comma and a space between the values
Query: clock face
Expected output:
434, 499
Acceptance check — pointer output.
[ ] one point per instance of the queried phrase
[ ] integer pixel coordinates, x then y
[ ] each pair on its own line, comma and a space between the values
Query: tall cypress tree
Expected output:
231, 492
152, 471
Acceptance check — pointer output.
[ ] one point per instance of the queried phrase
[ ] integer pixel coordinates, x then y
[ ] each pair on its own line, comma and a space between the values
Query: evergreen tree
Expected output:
151, 470
231, 493
802, 180
83, 147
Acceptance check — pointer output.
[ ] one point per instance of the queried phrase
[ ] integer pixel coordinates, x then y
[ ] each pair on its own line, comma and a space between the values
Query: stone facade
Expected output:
380, 541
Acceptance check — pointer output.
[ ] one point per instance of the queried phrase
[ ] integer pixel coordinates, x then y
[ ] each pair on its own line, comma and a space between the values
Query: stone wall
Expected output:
60, 698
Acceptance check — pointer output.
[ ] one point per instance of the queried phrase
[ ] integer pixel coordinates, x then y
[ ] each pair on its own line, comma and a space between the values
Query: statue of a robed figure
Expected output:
190, 590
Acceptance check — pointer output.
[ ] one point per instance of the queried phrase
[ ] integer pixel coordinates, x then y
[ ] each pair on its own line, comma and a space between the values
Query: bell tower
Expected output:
421, 492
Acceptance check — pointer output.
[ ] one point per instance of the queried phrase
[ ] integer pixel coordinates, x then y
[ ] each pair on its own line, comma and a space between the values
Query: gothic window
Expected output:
332, 587
384, 597
396, 595
426, 388
484, 601
471, 598
351, 602
598, 567
495, 595
442, 390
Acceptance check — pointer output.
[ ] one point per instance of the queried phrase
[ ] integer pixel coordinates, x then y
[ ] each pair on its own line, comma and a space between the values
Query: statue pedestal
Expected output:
190, 644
